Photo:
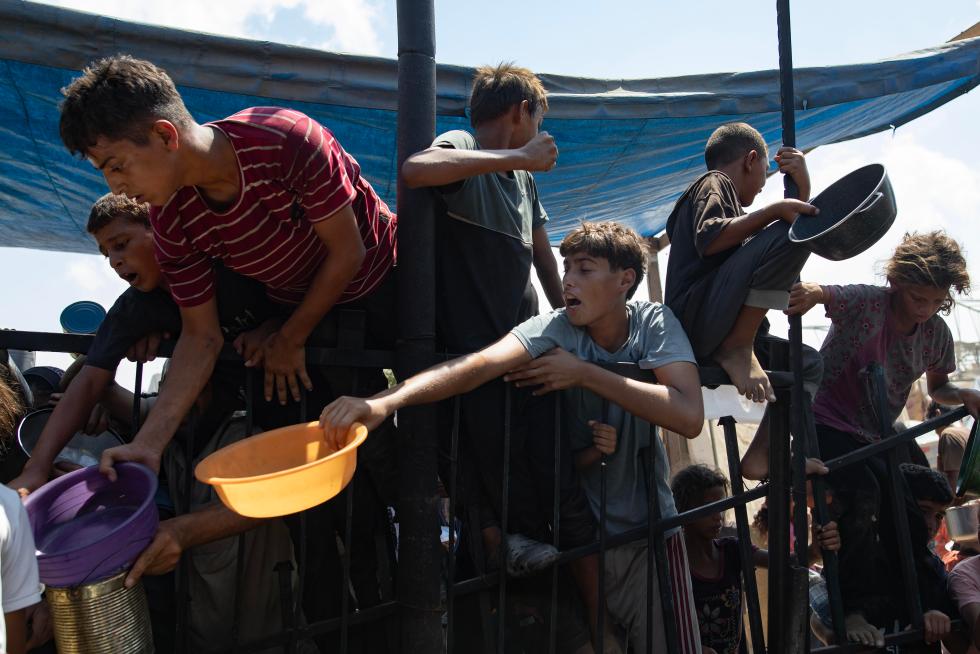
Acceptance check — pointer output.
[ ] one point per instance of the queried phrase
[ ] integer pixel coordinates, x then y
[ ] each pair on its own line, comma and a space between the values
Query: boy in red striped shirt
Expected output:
268, 191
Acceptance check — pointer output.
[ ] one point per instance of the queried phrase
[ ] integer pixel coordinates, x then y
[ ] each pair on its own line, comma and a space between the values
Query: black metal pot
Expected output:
855, 211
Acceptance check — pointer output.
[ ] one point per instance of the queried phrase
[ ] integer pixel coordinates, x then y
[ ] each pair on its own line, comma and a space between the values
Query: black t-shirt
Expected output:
701, 213
242, 305
719, 602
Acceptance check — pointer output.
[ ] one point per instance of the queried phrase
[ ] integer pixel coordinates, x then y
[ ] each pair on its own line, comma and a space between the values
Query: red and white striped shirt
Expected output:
294, 173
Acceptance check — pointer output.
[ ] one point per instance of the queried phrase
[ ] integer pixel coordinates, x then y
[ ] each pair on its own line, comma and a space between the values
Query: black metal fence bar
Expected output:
555, 526
898, 495
505, 497
744, 539
451, 558
600, 629
821, 514
659, 553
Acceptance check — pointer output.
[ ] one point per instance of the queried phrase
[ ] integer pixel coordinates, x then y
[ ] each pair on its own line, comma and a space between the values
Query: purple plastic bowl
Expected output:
87, 528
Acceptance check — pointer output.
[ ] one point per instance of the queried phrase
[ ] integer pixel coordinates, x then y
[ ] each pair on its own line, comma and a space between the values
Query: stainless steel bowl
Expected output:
962, 523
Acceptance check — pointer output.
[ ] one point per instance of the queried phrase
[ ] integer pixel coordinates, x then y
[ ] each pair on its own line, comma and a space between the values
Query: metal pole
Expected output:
795, 598
778, 501
418, 572
744, 539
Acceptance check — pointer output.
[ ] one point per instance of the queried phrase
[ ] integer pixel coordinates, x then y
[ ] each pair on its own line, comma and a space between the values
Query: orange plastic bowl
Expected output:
281, 471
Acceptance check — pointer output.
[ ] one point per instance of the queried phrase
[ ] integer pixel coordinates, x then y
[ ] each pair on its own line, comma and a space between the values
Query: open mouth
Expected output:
572, 302
129, 277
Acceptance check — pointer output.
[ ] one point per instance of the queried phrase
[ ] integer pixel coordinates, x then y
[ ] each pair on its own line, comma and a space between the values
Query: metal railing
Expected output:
295, 630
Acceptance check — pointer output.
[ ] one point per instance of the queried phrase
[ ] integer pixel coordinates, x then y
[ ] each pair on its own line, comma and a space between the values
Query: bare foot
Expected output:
861, 631
746, 373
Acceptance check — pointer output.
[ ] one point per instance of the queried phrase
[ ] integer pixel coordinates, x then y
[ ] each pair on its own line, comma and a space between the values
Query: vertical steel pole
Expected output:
795, 598
744, 538
418, 572
778, 501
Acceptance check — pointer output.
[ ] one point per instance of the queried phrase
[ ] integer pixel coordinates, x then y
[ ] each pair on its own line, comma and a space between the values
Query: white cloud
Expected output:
351, 24
93, 276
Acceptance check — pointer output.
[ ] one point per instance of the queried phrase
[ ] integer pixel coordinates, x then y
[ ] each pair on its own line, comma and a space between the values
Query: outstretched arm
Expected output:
437, 166
946, 392
194, 357
739, 229
68, 417
176, 535
436, 383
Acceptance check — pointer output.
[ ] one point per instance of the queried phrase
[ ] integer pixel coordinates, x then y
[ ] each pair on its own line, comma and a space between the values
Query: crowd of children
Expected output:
259, 231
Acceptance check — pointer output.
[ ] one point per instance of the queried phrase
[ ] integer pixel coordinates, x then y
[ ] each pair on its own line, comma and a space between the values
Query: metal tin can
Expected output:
101, 618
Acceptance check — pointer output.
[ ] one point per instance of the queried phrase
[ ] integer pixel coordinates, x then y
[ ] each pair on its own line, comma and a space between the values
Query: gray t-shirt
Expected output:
484, 252
655, 339
506, 203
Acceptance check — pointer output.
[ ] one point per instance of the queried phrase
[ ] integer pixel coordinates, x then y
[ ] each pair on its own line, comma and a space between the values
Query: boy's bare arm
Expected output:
946, 392
546, 267
437, 166
436, 383
674, 402
193, 361
177, 535
68, 417
284, 355
742, 227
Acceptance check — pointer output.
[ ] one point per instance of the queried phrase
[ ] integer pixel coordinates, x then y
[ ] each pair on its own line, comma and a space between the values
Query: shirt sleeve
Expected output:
318, 170
186, 269
964, 584
545, 332
540, 216
944, 360
18, 565
134, 315
666, 342
847, 303
712, 212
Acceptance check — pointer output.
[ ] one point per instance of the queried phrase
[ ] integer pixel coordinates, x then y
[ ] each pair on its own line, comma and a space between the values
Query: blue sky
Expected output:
932, 161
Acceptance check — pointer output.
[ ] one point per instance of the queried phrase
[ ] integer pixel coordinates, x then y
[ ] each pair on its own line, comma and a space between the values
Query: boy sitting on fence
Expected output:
898, 327
604, 264
727, 269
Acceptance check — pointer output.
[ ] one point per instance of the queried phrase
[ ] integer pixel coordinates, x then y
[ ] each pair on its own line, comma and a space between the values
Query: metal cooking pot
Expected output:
83, 450
855, 211
961, 524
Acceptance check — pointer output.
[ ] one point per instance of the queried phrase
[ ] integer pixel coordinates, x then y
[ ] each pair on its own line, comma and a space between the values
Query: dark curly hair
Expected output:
622, 247
690, 484
118, 98
111, 206
926, 483
932, 259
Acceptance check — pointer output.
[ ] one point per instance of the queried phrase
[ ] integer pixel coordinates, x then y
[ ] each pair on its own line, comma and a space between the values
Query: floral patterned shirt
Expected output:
863, 332
719, 601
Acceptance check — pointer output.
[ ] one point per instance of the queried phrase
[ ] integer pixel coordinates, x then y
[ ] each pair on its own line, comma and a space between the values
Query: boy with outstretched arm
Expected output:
268, 191
558, 351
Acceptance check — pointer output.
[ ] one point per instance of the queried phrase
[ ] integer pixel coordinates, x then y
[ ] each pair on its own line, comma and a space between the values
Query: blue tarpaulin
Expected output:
628, 148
